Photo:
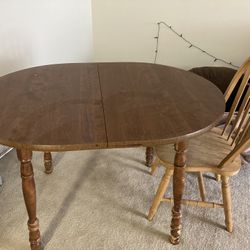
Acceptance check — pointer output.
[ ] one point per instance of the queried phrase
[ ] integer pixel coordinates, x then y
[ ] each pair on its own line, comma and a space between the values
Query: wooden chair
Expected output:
220, 76
217, 151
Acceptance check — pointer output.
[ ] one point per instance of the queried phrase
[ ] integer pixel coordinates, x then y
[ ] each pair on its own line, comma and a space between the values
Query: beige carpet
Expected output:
99, 199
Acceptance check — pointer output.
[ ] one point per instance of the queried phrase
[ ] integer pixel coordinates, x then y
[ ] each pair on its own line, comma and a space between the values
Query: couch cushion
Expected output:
221, 77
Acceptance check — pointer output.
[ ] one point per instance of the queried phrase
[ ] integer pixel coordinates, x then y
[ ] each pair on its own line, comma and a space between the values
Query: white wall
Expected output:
124, 30
36, 32
42, 32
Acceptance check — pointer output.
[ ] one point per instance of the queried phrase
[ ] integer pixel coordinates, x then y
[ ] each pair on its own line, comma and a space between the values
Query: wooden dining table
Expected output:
81, 106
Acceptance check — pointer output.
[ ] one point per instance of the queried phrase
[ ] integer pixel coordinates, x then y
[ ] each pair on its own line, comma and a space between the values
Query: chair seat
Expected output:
204, 154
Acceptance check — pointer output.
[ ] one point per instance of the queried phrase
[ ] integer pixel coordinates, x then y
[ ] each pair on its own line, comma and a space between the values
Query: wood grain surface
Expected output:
148, 104
82, 106
52, 108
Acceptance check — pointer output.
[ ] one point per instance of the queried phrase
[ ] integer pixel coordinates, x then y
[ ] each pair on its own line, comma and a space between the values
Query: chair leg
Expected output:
218, 177
154, 166
226, 194
160, 193
201, 186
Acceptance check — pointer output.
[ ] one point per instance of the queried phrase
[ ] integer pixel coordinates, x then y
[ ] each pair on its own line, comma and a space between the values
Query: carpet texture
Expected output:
99, 199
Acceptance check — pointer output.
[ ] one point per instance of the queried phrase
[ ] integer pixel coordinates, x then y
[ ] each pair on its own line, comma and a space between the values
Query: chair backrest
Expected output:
239, 128
241, 146
240, 103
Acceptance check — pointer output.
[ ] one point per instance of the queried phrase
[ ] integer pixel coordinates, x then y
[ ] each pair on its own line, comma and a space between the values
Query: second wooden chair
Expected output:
217, 151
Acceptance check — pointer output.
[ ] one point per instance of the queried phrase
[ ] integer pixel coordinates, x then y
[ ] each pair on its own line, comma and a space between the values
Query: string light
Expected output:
190, 45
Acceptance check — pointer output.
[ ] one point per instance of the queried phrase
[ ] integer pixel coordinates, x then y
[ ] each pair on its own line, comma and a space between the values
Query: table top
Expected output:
103, 105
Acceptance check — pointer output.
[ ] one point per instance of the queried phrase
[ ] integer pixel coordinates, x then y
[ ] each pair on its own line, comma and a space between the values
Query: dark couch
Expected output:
221, 77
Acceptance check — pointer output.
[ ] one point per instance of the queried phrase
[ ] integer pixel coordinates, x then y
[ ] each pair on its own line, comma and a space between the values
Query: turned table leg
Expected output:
48, 163
29, 194
149, 156
178, 188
